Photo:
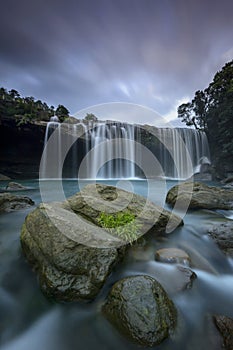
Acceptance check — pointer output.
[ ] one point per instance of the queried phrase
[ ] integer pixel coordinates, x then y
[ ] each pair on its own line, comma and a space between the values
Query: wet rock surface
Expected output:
225, 326
172, 256
222, 234
15, 186
140, 309
72, 254
200, 196
10, 202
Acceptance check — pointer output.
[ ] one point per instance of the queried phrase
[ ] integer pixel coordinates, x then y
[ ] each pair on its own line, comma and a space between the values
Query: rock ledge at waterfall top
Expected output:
200, 196
71, 253
140, 309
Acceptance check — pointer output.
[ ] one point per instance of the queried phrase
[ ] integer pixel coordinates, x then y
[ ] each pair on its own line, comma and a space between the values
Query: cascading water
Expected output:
109, 150
113, 151
182, 151
53, 152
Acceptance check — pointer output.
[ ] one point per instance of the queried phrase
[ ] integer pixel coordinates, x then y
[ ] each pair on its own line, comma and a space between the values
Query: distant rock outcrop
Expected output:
200, 196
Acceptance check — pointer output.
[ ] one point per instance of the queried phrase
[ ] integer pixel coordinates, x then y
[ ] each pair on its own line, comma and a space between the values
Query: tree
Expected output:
211, 110
62, 112
90, 117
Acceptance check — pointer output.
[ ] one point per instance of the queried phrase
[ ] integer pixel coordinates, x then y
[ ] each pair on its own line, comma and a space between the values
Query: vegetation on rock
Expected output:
123, 224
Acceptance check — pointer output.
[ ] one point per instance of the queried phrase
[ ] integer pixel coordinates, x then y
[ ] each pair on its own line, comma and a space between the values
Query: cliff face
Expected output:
21, 148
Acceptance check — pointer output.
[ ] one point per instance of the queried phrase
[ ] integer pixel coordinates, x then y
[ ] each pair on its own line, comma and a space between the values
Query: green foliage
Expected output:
90, 117
62, 113
123, 224
26, 109
211, 110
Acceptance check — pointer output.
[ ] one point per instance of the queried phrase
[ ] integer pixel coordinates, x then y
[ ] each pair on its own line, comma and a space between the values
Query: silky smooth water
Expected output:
30, 321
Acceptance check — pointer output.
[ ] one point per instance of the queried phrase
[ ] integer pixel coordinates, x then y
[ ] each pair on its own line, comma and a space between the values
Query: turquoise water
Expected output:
29, 321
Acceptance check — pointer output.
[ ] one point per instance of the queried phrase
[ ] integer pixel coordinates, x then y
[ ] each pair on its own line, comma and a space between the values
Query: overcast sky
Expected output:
81, 53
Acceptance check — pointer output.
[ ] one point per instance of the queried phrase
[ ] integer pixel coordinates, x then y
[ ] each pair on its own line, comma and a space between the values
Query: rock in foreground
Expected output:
140, 309
72, 254
225, 327
10, 202
200, 196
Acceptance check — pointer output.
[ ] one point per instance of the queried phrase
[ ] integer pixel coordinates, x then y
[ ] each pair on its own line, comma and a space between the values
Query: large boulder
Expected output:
10, 202
222, 234
140, 309
198, 195
94, 199
68, 270
71, 252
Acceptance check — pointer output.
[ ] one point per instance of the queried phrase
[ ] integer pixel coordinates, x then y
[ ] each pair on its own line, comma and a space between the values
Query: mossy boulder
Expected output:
200, 196
68, 270
140, 309
95, 199
72, 254
10, 202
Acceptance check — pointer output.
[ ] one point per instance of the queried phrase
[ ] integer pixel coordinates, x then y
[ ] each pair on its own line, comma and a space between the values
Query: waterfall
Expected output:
108, 151
182, 151
52, 156
113, 153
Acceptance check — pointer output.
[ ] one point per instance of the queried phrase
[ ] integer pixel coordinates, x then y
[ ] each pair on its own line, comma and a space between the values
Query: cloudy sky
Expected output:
86, 52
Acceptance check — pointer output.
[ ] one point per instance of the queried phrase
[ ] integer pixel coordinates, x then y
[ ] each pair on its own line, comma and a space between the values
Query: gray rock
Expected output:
225, 326
15, 186
68, 270
72, 254
10, 202
199, 195
222, 234
140, 309
4, 177
95, 199
172, 255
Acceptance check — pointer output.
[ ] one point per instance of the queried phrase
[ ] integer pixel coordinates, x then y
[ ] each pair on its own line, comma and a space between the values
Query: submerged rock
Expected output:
173, 256
140, 309
198, 195
72, 254
222, 234
10, 202
225, 327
